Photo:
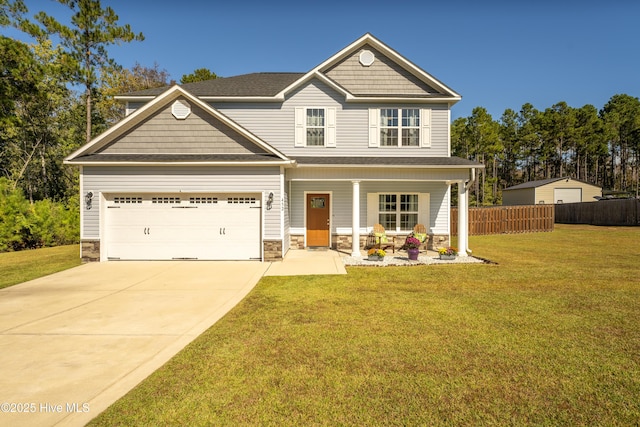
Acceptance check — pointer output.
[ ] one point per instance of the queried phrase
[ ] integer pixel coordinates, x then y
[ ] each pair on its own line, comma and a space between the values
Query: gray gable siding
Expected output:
199, 133
157, 179
274, 123
383, 78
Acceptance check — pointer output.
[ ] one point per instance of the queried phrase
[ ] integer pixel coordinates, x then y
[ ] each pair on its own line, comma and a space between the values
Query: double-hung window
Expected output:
315, 121
399, 127
398, 211
315, 127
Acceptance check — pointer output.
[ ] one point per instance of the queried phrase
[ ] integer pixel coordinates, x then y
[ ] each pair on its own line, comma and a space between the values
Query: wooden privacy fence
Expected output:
606, 212
506, 219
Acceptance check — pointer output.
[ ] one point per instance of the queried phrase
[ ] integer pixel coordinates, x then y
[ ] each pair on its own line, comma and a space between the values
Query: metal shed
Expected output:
550, 191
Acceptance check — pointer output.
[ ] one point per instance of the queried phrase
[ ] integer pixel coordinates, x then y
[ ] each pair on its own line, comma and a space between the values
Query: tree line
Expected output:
601, 147
56, 93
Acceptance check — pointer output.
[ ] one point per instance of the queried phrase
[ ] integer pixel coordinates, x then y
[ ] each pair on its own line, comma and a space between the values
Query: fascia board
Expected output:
309, 76
145, 111
356, 99
275, 98
235, 126
360, 166
108, 163
132, 119
410, 66
135, 98
413, 68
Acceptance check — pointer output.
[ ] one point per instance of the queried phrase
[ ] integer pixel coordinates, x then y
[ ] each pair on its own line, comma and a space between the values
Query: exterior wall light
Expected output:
270, 200
88, 199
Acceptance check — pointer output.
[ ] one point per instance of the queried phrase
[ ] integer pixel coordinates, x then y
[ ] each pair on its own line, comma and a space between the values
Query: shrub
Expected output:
24, 225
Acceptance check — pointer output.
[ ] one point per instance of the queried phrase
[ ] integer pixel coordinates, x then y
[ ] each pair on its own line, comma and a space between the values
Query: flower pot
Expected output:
447, 257
413, 253
375, 258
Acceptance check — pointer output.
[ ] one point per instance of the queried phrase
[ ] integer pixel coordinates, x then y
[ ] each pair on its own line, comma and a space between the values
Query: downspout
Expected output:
467, 187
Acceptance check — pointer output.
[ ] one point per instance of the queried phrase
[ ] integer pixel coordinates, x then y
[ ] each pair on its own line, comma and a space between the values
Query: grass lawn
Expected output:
18, 267
550, 336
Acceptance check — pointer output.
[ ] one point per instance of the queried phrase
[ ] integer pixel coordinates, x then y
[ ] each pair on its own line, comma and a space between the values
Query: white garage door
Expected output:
183, 226
567, 195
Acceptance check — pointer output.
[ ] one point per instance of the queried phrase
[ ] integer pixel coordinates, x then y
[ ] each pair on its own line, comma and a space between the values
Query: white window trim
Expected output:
374, 128
424, 205
329, 127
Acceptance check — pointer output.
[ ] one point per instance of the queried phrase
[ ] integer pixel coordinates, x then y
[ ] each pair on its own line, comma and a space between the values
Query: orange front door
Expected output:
318, 220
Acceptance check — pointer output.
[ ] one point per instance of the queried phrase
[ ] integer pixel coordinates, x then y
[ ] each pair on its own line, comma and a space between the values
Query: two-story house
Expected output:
248, 167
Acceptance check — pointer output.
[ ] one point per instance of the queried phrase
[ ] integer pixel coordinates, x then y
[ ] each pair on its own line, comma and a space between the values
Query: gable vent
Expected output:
180, 110
366, 58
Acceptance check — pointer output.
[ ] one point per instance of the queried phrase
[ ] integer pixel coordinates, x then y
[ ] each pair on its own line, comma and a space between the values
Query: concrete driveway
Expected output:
74, 342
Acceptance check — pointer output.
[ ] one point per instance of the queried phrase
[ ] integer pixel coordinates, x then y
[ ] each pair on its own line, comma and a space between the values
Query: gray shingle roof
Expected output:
386, 161
259, 158
255, 84
175, 158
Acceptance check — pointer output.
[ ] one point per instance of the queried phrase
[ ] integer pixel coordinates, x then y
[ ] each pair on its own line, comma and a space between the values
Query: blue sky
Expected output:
496, 53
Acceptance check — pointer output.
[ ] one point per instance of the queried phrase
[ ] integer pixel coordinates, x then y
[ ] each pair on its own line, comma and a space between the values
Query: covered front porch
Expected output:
419, 194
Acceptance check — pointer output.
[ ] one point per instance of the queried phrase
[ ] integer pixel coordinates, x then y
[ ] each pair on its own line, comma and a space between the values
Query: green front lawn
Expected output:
18, 267
550, 336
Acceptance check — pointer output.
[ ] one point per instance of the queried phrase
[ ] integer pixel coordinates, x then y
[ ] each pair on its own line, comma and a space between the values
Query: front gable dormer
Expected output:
368, 70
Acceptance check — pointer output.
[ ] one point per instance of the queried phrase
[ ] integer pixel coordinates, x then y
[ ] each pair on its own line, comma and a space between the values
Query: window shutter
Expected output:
425, 128
330, 136
372, 210
374, 133
300, 134
424, 205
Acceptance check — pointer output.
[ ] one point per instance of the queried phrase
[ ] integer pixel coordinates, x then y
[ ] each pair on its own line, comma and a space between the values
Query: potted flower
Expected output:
448, 253
412, 246
376, 254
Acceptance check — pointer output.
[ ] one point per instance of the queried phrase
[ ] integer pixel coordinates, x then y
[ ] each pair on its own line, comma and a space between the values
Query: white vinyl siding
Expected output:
157, 179
273, 123
433, 203
133, 106
315, 127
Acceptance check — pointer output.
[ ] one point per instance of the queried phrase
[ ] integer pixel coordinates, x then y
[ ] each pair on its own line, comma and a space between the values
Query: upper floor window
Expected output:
315, 127
399, 127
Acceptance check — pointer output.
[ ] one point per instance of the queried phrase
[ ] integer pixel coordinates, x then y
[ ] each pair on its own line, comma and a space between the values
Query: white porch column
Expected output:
355, 222
463, 221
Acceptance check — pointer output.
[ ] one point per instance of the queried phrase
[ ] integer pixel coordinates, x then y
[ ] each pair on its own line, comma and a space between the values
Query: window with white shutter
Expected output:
315, 127
399, 127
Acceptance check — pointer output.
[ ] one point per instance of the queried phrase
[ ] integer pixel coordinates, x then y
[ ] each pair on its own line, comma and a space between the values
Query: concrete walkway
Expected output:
74, 342
299, 262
